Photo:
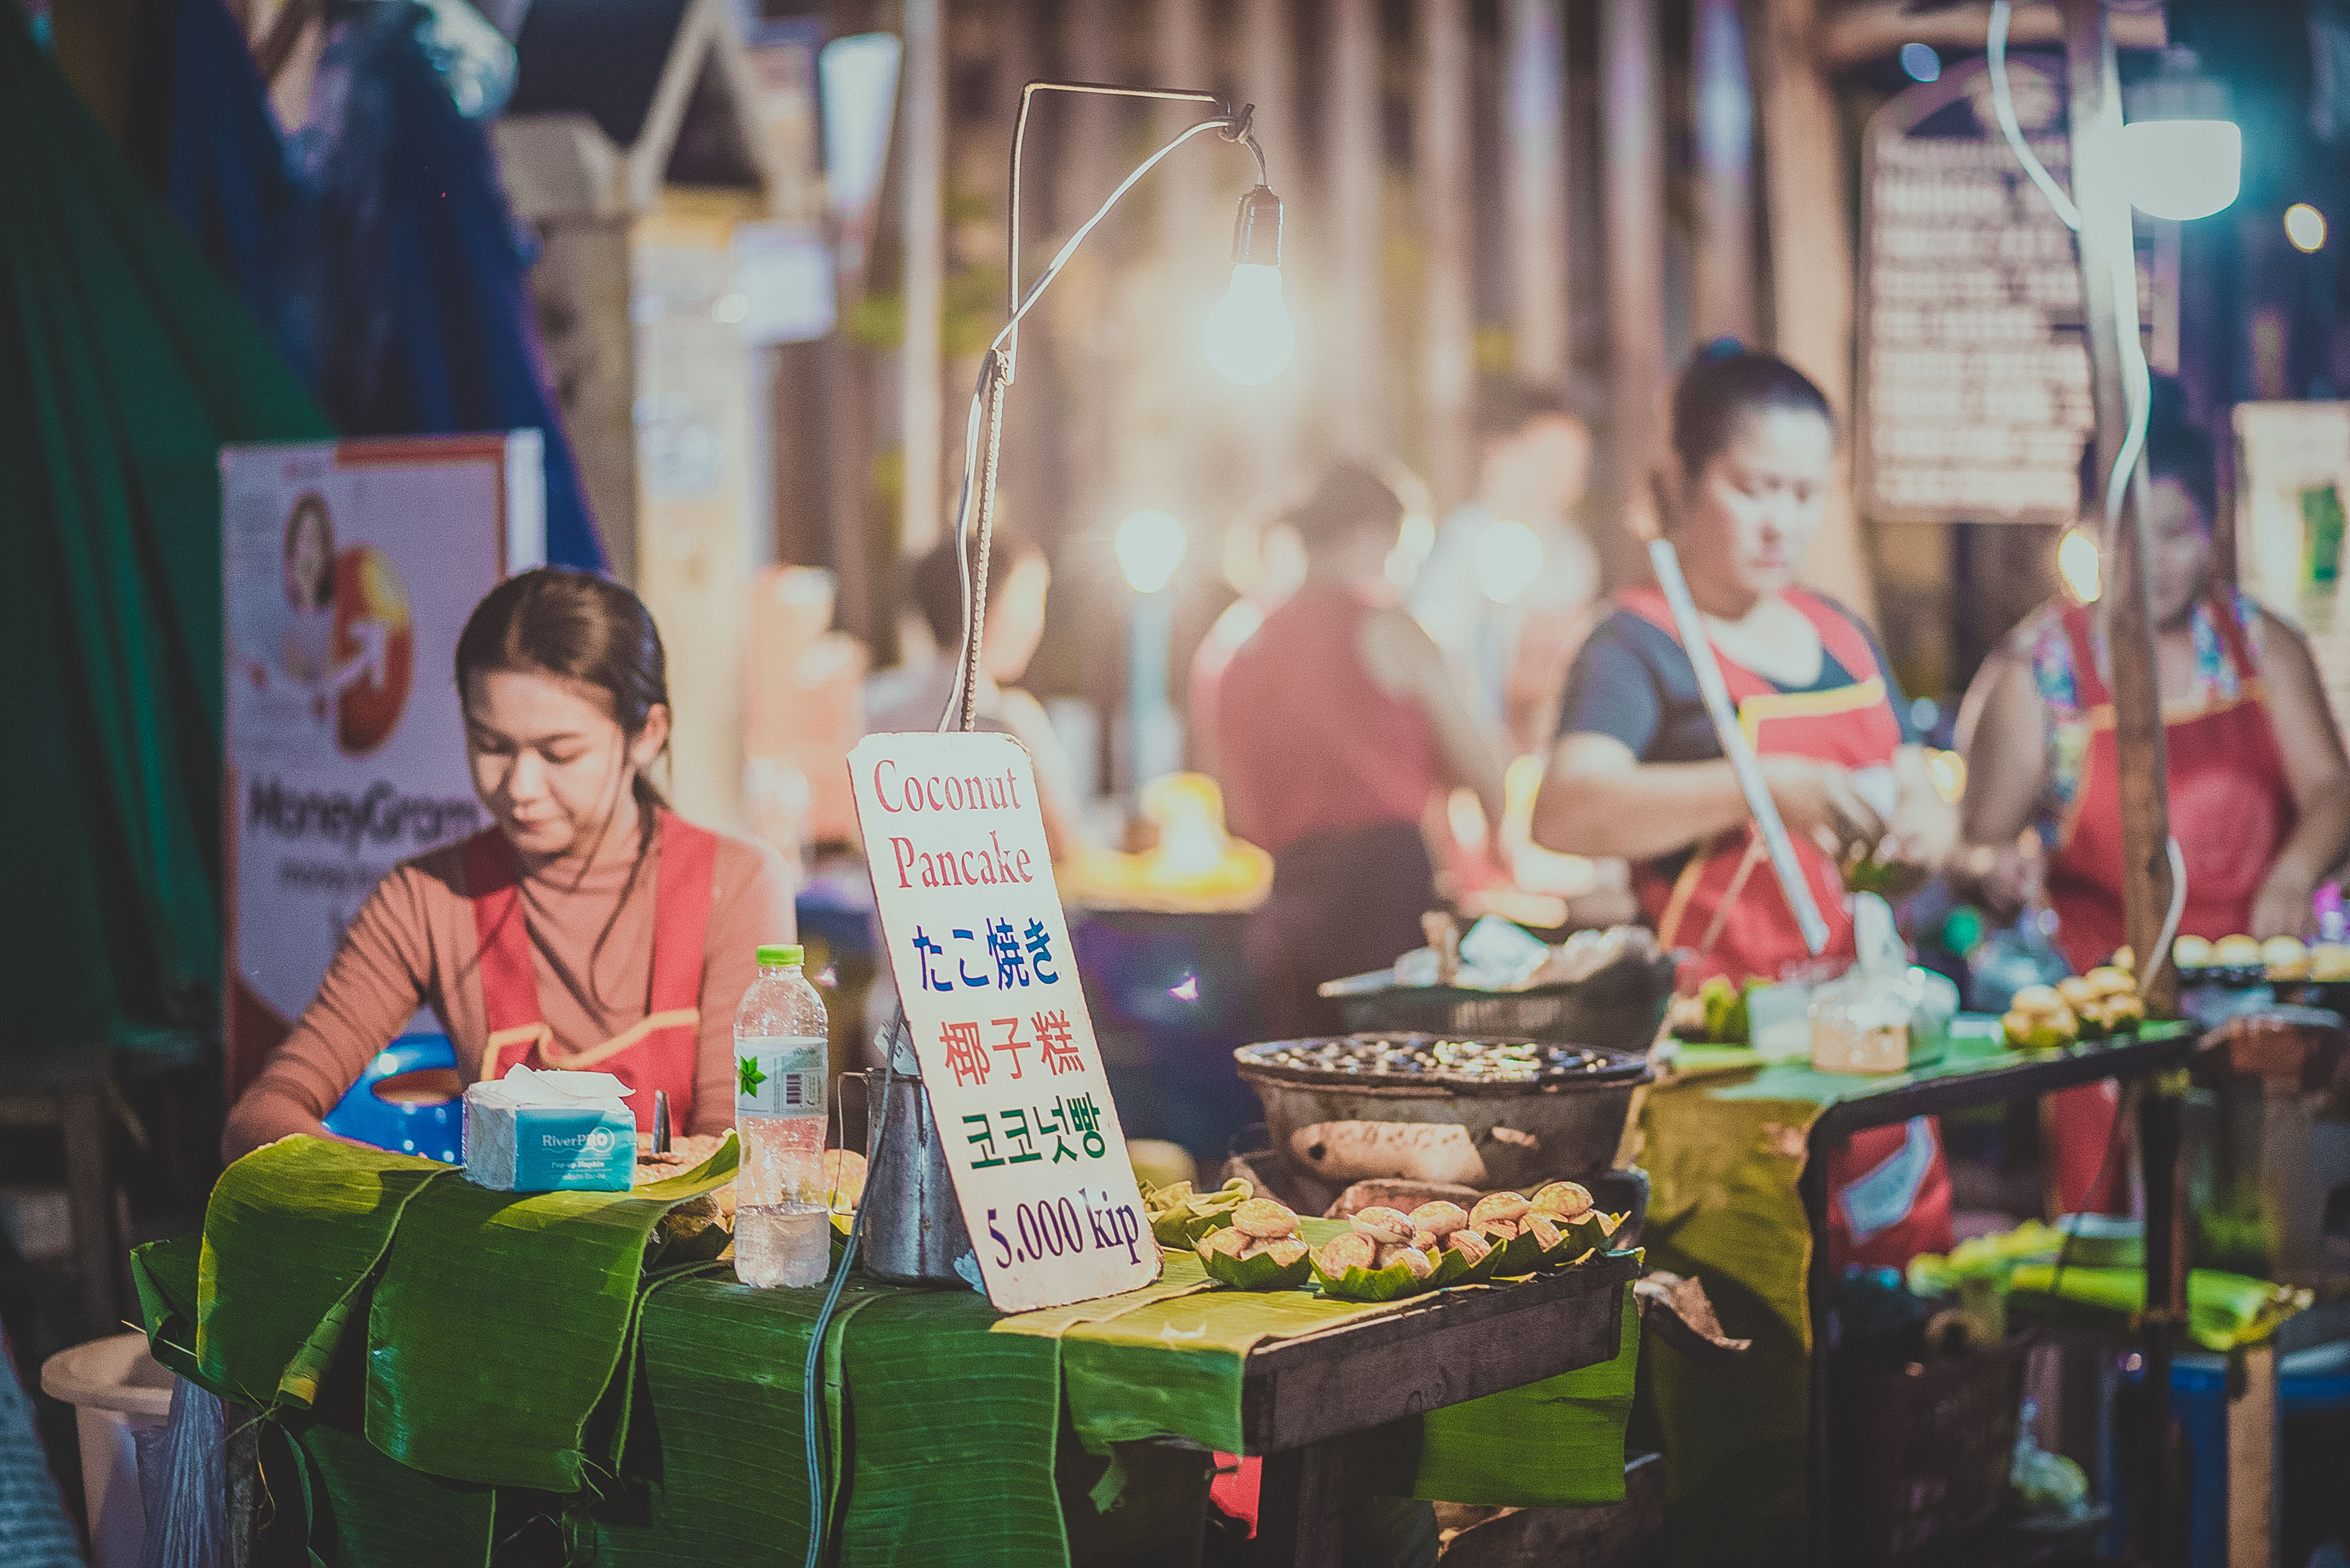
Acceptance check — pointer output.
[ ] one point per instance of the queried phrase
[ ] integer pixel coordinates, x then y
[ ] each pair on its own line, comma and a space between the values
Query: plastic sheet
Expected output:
183, 1483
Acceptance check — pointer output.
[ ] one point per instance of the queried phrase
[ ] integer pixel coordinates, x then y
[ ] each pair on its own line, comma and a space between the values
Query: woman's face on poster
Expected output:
309, 557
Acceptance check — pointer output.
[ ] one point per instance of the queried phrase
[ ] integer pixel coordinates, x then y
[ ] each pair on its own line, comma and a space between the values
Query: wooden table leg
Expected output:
1301, 1501
99, 1253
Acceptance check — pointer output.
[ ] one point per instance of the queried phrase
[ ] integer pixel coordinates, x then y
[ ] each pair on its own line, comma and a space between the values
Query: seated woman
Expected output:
588, 927
1638, 771
2260, 789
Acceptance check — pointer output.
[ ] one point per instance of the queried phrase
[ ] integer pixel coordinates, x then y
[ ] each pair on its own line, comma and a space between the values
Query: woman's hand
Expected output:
2283, 906
2004, 878
1819, 801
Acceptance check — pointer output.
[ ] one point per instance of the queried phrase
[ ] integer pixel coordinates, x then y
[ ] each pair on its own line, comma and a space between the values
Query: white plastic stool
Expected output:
114, 1387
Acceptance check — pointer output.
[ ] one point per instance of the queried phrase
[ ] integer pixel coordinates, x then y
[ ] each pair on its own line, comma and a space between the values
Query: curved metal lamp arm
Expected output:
984, 430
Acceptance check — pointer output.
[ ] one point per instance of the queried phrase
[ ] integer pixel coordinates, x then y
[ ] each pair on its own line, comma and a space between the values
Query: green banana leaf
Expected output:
713, 1466
2224, 1310
500, 1319
292, 1232
164, 1273
367, 1512
1260, 1272
1558, 1443
1391, 1283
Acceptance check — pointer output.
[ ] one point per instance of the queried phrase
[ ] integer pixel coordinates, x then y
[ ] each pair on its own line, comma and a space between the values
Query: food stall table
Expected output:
443, 1361
1748, 1143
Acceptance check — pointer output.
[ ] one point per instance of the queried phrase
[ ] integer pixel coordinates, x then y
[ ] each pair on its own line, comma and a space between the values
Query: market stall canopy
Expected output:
127, 365
375, 243
618, 98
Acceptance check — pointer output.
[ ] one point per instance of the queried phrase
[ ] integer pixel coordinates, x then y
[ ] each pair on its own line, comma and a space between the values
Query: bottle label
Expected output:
778, 1076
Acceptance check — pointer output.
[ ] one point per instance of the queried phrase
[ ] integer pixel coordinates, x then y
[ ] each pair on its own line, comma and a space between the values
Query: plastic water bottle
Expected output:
781, 1061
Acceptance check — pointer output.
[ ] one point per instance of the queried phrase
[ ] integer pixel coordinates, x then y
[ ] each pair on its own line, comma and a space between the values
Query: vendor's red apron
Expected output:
658, 1053
2232, 810
1889, 1188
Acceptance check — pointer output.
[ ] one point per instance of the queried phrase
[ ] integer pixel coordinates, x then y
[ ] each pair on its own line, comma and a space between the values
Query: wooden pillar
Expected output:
580, 289
2094, 109
1632, 198
1447, 223
1812, 263
1723, 278
1533, 183
1352, 350
920, 187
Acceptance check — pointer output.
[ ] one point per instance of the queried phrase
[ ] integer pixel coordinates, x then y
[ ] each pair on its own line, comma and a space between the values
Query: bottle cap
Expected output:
771, 957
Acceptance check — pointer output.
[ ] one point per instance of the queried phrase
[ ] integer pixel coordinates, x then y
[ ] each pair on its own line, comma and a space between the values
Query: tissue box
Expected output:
545, 1132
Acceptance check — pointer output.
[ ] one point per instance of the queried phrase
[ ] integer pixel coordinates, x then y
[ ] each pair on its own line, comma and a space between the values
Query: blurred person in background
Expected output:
915, 696
2260, 788
1337, 721
1508, 589
1264, 563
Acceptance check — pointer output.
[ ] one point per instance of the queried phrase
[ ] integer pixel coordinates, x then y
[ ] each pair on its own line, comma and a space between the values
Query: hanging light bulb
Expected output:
1250, 338
2078, 563
2181, 158
1149, 546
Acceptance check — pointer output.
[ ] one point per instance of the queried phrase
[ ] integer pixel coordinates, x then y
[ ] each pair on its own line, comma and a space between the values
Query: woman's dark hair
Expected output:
938, 579
1351, 495
2177, 448
314, 506
1722, 385
574, 626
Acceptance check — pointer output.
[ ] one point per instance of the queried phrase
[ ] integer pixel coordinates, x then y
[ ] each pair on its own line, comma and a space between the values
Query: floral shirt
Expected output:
2050, 651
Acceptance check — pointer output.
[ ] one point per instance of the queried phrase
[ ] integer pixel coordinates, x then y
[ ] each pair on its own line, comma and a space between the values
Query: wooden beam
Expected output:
921, 188
1632, 203
1812, 262
2093, 110
1447, 221
2096, 114
1352, 350
1722, 281
1871, 31
1533, 184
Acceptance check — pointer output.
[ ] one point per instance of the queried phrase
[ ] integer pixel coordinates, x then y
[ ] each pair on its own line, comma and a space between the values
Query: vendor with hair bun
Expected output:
588, 927
1638, 772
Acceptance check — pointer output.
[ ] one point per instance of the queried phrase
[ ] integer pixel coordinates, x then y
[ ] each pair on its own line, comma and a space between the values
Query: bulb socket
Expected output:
1257, 232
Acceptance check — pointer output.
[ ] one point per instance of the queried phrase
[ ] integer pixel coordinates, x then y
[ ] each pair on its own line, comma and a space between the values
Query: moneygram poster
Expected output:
348, 570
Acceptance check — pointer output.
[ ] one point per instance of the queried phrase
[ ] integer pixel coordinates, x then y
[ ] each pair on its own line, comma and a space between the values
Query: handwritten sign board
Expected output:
1974, 371
980, 951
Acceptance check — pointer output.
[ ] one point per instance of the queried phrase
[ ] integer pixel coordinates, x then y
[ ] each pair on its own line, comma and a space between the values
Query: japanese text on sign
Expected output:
980, 953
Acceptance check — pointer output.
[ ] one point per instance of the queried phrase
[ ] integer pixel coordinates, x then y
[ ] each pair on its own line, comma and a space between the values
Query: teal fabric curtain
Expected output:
125, 365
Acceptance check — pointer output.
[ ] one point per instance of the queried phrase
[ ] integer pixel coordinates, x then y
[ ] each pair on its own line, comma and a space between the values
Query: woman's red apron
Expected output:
658, 1053
2232, 810
1889, 1189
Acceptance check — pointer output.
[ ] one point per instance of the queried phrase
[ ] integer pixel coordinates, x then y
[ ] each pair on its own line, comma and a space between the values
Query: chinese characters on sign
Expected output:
980, 953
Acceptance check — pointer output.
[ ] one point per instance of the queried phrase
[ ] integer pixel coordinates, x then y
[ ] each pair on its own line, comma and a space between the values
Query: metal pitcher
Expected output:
914, 1233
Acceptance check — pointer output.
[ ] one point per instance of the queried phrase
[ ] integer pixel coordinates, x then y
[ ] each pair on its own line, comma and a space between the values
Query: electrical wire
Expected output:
812, 1371
2003, 107
2137, 377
